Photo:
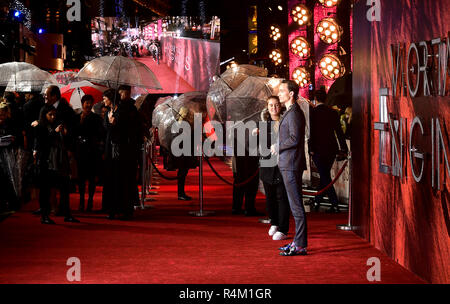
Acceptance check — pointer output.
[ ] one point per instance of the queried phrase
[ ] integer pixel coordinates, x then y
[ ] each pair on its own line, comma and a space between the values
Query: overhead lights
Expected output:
275, 33
329, 3
331, 67
329, 30
232, 65
275, 56
301, 47
301, 14
301, 76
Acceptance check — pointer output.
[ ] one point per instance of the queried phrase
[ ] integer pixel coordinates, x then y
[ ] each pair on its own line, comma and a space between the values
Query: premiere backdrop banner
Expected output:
401, 110
195, 60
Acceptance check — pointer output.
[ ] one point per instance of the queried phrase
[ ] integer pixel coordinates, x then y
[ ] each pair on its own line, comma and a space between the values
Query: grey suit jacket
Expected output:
291, 141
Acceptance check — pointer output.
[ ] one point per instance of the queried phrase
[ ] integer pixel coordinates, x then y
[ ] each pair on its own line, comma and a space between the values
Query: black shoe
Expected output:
36, 212
285, 247
333, 210
184, 197
111, 217
294, 250
71, 219
316, 206
47, 220
253, 213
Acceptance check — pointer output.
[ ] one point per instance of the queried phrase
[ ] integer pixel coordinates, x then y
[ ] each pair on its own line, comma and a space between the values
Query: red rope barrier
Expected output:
330, 184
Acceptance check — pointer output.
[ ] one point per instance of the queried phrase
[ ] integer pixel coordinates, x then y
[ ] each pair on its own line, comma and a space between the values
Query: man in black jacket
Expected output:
323, 147
292, 163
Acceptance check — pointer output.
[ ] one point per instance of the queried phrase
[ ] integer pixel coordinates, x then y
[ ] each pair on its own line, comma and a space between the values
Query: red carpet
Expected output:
170, 81
167, 245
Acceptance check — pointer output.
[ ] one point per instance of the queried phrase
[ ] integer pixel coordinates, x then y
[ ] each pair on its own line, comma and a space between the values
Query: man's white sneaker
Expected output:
279, 236
273, 230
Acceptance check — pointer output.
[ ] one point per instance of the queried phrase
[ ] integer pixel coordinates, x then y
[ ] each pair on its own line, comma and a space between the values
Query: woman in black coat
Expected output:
123, 140
89, 141
50, 151
276, 197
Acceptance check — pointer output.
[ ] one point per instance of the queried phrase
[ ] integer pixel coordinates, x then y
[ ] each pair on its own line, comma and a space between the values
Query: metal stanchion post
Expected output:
201, 212
349, 226
144, 178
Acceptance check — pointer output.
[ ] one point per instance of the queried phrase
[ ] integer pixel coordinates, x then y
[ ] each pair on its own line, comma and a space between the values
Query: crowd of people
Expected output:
50, 137
105, 144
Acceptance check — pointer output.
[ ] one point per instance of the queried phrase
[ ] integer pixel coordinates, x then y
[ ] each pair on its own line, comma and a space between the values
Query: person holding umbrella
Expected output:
89, 142
122, 142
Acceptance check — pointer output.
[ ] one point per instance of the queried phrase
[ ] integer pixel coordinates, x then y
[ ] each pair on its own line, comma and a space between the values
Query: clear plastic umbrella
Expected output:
236, 75
24, 77
248, 100
163, 118
173, 109
9, 69
114, 71
224, 85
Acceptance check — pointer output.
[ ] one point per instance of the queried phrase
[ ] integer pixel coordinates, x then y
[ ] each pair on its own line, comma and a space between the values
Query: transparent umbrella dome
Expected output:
24, 77
114, 71
224, 85
248, 100
9, 69
173, 109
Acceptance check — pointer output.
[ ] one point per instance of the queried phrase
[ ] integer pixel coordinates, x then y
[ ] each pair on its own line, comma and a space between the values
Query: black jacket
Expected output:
292, 140
51, 150
325, 127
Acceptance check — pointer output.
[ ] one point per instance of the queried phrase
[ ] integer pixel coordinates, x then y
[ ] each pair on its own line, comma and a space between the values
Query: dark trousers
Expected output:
181, 180
91, 189
293, 183
324, 164
246, 181
277, 205
51, 179
247, 191
119, 188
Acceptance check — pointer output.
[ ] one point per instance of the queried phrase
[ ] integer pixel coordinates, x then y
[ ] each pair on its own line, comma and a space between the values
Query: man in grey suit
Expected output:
292, 162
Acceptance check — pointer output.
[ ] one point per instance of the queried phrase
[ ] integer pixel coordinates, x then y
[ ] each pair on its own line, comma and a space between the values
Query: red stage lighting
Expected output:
329, 30
331, 67
301, 47
301, 76
329, 3
301, 14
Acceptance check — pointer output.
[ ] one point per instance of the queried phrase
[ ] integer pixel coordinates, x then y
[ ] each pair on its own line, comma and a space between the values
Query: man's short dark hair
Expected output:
86, 98
124, 87
54, 91
112, 95
292, 87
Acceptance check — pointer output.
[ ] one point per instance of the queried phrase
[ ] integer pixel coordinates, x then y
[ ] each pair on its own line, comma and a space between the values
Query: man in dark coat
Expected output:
325, 128
292, 162
31, 109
